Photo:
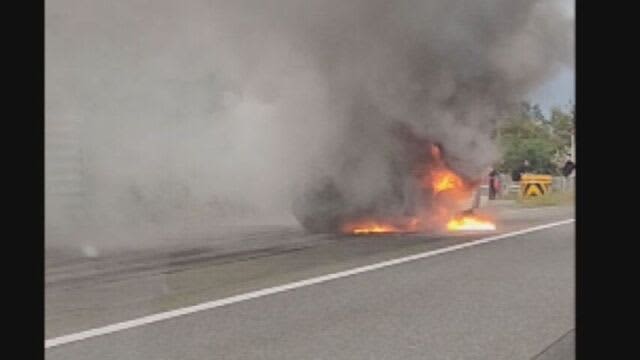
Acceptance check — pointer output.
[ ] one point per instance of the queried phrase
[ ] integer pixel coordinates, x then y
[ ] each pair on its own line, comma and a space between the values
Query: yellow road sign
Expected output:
532, 185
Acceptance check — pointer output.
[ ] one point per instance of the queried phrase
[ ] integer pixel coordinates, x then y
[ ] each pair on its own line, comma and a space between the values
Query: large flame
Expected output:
469, 223
441, 178
382, 227
451, 191
444, 179
366, 228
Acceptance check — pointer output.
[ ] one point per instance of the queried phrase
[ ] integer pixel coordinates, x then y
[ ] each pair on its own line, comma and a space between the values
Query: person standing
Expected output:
494, 183
522, 169
568, 170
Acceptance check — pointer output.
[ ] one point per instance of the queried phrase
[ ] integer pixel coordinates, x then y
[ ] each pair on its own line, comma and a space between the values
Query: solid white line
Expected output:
277, 289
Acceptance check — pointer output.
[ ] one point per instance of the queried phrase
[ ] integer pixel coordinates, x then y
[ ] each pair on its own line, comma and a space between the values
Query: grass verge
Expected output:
549, 199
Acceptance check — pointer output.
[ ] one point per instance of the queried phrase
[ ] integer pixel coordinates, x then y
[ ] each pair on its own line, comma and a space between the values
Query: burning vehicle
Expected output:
425, 194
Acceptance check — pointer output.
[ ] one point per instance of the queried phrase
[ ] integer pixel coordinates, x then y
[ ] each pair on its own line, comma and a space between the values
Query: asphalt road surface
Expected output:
508, 298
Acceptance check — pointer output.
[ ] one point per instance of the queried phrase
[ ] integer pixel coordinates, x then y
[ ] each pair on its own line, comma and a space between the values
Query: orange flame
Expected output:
371, 228
443, 179
380, 227
469, 223
455, 192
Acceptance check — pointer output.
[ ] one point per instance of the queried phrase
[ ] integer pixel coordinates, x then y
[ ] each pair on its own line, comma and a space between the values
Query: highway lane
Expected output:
88, 293
435, 304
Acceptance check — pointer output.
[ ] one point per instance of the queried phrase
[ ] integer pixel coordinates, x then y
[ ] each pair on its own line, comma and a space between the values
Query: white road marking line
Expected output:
83, 335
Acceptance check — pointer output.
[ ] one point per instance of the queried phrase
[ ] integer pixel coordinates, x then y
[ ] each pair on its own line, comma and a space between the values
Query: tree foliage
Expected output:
529, 135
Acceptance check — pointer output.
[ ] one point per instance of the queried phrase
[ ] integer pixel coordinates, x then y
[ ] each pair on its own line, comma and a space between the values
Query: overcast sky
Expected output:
560, 89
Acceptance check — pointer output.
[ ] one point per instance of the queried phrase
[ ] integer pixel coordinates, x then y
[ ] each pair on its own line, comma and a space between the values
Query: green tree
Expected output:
528, 135
562, 124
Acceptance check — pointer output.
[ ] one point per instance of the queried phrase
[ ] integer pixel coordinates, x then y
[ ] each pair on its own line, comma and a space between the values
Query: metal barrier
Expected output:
532, 185
561, 183
546, 183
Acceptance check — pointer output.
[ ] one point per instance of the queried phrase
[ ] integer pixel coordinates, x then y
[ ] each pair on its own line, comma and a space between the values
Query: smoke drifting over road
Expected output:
194, 113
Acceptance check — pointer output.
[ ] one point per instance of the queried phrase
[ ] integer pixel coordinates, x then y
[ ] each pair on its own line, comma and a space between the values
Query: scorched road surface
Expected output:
512, 298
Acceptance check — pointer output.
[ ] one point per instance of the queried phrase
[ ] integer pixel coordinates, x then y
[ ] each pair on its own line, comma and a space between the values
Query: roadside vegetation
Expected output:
528, 134
557, 198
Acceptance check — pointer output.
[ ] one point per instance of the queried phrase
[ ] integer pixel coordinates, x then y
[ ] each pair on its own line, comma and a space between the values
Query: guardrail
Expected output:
559, 183
509, 187
533, 185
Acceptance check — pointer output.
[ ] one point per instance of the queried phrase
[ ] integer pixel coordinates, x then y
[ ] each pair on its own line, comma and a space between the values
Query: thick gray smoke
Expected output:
165, 118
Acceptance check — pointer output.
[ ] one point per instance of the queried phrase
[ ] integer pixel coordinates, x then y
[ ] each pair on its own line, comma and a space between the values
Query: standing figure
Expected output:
568, 170
522, 169
494, 184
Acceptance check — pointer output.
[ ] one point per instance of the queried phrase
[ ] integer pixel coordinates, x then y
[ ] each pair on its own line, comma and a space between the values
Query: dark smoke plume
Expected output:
231, 109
